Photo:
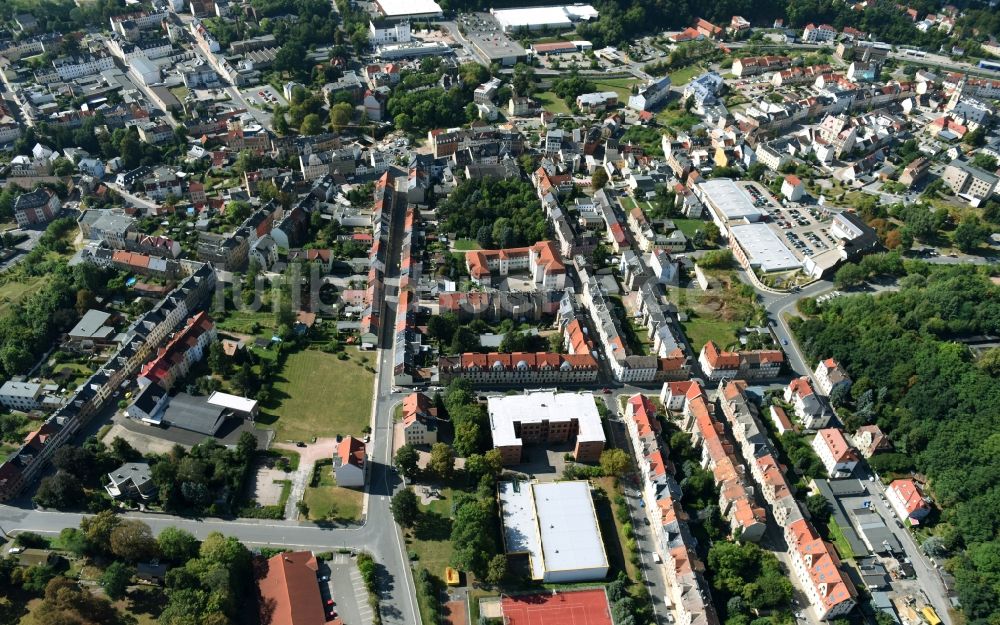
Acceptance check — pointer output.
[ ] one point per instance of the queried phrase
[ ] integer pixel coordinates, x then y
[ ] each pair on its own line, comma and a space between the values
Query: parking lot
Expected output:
264, 96
343, 591
803, 229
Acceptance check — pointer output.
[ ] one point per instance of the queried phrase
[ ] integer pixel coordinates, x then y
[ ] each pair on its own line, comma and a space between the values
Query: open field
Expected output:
247, 322
701, 329
689, 226
319, 395
684, 75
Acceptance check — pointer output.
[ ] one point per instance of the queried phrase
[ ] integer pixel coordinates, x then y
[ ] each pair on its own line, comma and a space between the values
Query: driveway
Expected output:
308, 456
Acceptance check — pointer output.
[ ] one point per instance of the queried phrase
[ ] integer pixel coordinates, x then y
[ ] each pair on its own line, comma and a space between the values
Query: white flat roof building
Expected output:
400, 9
537, 18
727, 201
556, 525
763, 248
235, 403
544, 406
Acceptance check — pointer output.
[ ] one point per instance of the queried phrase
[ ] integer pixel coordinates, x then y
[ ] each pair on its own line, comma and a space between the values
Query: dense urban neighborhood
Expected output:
421, 313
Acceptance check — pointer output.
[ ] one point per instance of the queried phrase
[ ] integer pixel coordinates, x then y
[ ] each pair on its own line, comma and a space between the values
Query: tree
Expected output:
712, 233
65, 603
340, 115
311, 125
442, 327
464, 340
614, 462
496, 571
442, 462
73, 541
934, 547
817, 506
969, 234
404, 507
115, 579
98, 529
851, 274
133, 541
60, 491
599, 179
406, 461
177, 545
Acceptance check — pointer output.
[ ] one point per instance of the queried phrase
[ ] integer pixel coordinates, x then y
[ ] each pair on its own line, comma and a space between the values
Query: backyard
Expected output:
329, 502
429, 543
317, 394
684, 75
622, 86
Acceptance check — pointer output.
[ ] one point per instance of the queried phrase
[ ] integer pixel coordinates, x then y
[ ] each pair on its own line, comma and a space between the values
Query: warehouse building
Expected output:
408, 9
726, 202
758, 246
555, 525
540, 18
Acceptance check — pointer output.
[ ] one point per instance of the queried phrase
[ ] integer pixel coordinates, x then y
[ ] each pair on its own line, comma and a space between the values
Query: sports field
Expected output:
580, 607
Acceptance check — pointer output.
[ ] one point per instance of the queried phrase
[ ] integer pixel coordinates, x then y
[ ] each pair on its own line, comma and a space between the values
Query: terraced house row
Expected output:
685, 572
814, 561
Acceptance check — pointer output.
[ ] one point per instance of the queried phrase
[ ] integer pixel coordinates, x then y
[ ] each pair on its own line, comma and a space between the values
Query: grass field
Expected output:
689, 226
552, 103
462, 245
702, 329
247, 322
13, 291
319, 395
622, 86
430, 544
329, 502
677, 118
684, 75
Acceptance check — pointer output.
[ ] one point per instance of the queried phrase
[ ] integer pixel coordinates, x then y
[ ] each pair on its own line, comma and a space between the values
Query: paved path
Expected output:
308, 457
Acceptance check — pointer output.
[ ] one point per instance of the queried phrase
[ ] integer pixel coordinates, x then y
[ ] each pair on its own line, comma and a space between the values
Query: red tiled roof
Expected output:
290, 591
352, 451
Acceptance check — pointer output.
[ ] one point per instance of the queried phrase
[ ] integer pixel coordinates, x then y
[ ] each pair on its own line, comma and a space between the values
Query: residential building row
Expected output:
142, 336
815, 562
688, 589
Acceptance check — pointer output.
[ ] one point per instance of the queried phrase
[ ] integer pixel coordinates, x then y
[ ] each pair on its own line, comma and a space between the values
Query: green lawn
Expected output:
684, 75
462, 245
839, 540
14, 290
180, 93
552, 103
429, 543
677, 119
6, 449
627, 202
623, 86
247, 322
689, 226
329, 502
702, 329
319, 395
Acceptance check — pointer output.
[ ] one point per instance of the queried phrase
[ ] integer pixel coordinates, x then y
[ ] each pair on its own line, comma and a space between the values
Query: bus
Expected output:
991, 65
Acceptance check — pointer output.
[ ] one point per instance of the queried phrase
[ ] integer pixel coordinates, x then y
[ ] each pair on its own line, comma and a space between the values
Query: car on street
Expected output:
784, 341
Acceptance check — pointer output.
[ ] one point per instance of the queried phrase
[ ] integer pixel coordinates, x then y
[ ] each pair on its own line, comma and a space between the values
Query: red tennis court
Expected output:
579, 607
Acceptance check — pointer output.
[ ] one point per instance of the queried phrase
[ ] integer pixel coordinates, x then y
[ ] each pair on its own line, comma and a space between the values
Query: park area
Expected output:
318, 394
